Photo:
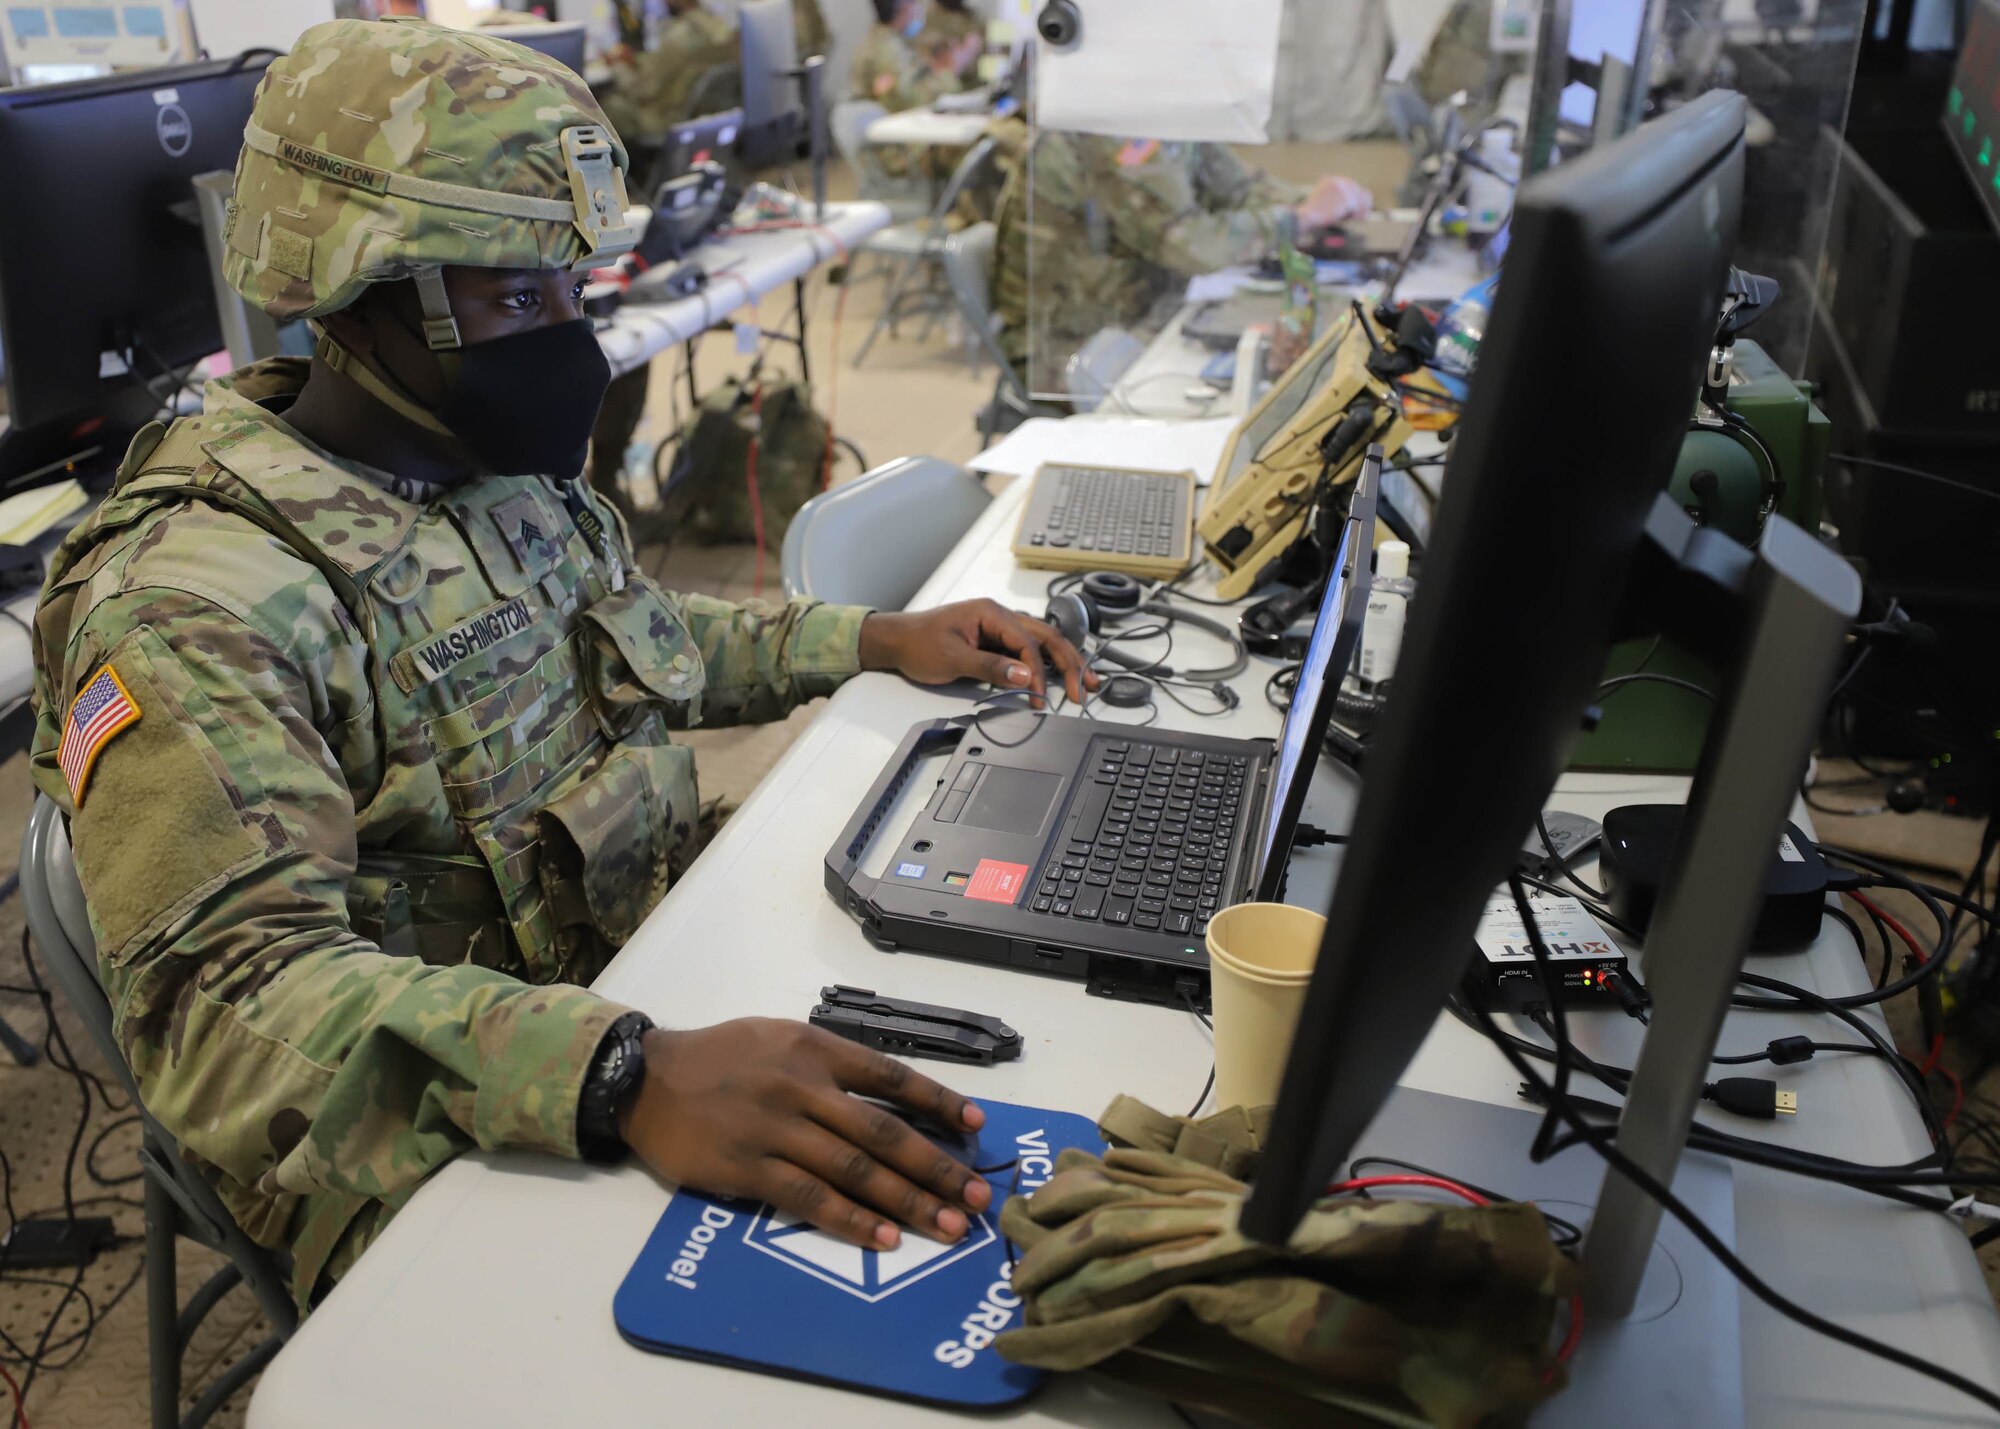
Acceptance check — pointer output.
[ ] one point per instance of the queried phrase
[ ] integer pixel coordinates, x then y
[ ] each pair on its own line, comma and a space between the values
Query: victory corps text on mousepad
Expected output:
732, 1283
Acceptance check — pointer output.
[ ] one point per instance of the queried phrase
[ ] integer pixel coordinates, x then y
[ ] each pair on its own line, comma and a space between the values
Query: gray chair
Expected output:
920, 246
876, 540
908, 196
968, 267
179, 1202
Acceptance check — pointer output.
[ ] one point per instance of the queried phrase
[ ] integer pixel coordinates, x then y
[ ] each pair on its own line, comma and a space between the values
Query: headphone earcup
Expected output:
1073, 616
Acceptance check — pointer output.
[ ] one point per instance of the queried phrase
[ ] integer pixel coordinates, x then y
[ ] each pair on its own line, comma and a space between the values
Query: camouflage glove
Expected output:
1386, 1311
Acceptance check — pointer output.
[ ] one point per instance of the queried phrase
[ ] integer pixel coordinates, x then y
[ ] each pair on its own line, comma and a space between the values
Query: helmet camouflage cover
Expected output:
386, 149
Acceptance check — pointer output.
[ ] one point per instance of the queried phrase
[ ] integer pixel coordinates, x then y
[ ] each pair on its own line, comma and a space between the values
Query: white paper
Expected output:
1165, 69
229, 27
1214, 287
1142, 443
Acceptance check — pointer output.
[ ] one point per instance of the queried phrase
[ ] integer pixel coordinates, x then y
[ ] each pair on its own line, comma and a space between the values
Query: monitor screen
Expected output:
1599, 29
1972, 108
1328, 654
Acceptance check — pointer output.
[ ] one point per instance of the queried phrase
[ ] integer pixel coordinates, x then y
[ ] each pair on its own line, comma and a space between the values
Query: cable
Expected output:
1671, 1203
1187, 996
1900, 470
1572, 1234
20, 1404
90, 1155
1617, 682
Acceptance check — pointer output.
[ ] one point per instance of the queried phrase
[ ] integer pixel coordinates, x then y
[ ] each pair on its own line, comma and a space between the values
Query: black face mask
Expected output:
524, 404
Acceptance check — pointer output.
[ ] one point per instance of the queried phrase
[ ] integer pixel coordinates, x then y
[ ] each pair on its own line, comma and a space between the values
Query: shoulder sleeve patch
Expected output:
162, 829
102, 710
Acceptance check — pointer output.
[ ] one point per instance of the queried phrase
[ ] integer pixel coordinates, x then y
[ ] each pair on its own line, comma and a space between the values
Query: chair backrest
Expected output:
877, 539
971, 167
909, 194
59, 921
968, 267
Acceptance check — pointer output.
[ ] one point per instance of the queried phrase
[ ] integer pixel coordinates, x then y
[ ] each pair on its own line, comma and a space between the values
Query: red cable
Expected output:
1438, 1183
20, 1405
756, 496
1367, 1183
1957, 1095
1909, 939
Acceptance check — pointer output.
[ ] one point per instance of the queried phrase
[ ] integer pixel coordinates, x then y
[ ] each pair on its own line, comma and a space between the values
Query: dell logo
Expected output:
175, 130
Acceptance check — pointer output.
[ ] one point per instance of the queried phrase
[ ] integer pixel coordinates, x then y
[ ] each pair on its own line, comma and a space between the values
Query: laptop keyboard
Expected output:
1151, 843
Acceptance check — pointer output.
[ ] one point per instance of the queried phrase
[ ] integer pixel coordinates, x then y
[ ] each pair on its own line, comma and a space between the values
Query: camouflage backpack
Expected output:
708, 491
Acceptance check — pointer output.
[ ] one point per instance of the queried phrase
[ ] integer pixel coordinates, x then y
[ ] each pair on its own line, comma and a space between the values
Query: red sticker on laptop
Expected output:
997, 882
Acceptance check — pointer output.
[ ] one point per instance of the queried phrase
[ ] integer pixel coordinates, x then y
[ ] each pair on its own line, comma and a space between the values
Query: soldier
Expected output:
948, 27
1119, 227
888, 68
657, 89
357, 706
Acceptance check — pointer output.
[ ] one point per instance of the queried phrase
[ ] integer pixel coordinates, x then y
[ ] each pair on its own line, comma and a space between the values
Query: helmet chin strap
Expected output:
440, 331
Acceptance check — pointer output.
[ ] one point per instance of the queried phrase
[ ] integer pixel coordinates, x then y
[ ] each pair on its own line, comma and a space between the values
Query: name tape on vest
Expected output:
437, 655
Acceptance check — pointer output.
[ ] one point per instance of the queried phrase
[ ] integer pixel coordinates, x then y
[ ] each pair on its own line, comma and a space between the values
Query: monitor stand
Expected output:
1773, 619
1676, 1358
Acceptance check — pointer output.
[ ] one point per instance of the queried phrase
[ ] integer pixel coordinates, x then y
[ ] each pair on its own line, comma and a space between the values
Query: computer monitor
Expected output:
1608, 36
564, 43
773, 114
104, 280
695, 142
47, 40
1587, 375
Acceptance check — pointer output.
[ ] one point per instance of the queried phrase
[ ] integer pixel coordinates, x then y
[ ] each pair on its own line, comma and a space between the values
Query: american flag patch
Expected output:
100, 710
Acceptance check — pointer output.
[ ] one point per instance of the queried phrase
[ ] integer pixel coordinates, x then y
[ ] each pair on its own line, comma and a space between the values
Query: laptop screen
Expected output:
1328, 655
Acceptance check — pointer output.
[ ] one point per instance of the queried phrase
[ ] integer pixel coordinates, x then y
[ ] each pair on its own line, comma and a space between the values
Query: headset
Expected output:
1084, 608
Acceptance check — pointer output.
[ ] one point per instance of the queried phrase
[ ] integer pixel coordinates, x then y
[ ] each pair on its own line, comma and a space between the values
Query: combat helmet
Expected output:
389, 149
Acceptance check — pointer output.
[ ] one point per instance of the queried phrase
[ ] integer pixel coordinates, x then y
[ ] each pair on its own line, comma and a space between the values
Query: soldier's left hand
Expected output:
973, 639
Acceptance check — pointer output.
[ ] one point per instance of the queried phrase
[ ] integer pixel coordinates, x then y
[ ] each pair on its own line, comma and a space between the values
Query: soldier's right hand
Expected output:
773, 1111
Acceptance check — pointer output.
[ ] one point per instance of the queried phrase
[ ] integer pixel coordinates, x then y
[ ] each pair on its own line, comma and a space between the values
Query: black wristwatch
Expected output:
614, 1071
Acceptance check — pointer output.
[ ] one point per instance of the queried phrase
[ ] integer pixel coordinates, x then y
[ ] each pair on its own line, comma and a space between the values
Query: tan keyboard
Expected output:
1096, 518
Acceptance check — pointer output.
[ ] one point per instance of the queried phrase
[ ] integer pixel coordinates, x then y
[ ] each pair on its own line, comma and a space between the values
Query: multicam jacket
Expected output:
1112, 228
656, 89
398, 786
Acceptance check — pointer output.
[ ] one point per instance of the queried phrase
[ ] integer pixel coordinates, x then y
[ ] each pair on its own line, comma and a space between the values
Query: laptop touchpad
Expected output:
1012, 801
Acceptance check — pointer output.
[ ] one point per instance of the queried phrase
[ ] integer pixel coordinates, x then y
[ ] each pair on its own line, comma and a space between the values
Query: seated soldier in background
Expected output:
358, 705
890, 67
947, 28
1120, 225
656, 89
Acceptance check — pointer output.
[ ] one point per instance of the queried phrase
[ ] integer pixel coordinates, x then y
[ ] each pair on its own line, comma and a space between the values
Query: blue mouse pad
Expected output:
732, 1283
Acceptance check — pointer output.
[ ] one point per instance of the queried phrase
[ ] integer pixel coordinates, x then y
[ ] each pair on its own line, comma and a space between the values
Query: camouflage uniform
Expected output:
400, 778
657, 89
888, 70
809, 31
944, 28
1373, 1312
1118, 227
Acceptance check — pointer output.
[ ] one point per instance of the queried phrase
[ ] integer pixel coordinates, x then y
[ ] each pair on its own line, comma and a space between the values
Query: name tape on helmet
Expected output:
332, 166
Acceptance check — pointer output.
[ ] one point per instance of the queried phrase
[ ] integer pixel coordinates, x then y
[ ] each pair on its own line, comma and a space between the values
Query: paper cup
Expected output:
1260, 958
